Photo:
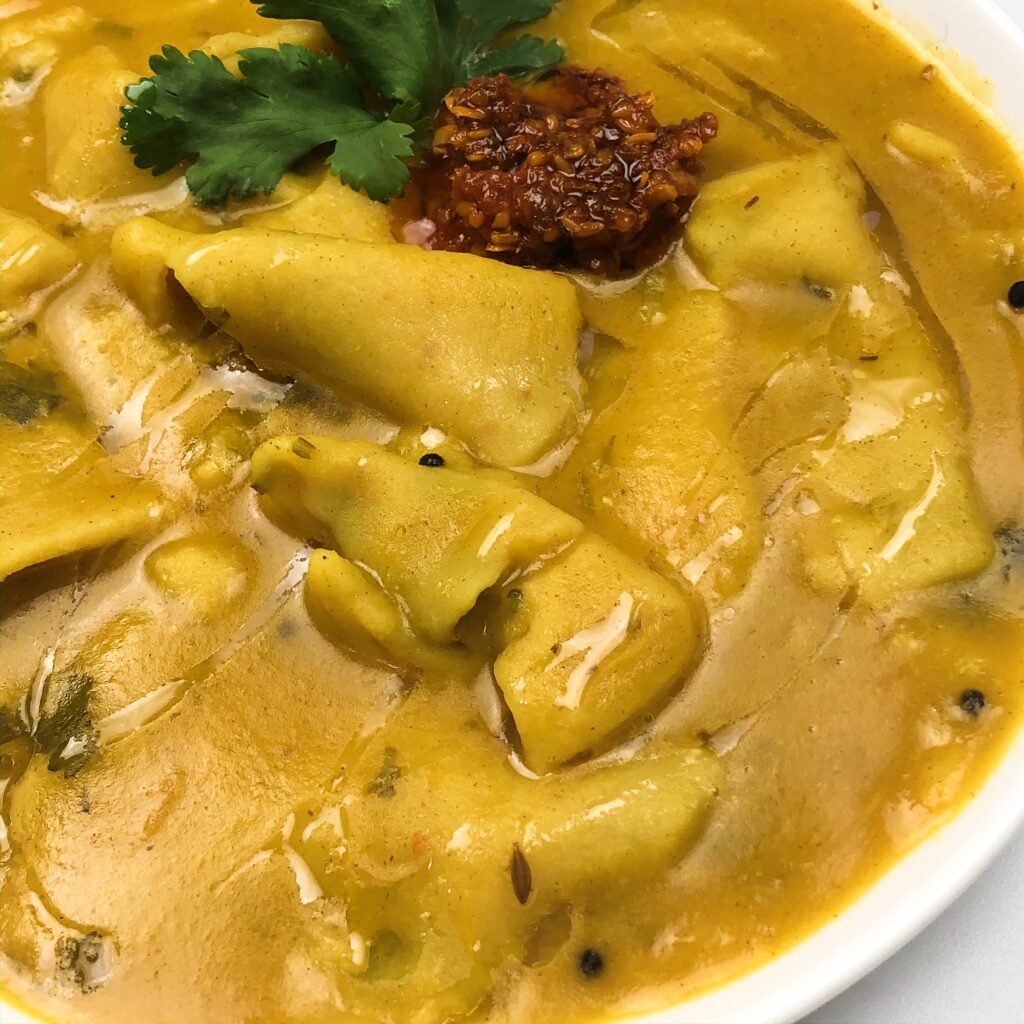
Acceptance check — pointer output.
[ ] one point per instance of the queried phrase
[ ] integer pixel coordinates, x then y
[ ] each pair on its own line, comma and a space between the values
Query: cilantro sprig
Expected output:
402, 56
246, 132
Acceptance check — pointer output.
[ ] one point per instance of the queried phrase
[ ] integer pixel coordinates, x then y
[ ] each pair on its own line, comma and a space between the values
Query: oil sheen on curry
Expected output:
541, 596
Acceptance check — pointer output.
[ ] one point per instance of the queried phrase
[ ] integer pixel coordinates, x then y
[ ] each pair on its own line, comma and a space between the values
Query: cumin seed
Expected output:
522, 876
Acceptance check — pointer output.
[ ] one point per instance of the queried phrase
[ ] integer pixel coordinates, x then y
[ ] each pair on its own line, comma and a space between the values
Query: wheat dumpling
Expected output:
352, 608
901, 509
589, 642
30, 258
60, 493
803, 228
410, 332
330, 209
84, 157
658, 465
436, 538
428, 821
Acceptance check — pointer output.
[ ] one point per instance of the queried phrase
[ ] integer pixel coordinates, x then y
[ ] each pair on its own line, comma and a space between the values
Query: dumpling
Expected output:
30, 259
794, 221
59, 492
865, 415
353, 609
412, 333
588, 642
899, 510
657, 467
330, 209
585, 637
436, 538
418, 822
84, 155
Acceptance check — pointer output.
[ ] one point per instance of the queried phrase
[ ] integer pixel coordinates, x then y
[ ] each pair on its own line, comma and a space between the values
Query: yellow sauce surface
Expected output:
674, 656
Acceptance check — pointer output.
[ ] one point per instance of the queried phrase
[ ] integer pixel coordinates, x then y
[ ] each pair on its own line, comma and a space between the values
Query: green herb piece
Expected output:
525, 56
246, 132
1010, 538
393, 45
402, 57
608, 452
66, 733
11, 726
470, 26
114, 28
383, 784
26, 395
1010, 541
415, 51
586, 495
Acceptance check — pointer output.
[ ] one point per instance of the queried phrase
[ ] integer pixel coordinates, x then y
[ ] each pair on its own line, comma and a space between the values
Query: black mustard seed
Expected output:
973, 702
591, 963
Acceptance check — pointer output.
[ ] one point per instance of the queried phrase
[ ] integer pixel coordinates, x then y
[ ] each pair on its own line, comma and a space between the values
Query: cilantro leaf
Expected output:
246, 132
415, 51
526, 55
469, 25
370, 157
394, 45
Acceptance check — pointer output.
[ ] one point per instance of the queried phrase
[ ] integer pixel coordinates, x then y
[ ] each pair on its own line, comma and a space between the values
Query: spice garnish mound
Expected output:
570, 170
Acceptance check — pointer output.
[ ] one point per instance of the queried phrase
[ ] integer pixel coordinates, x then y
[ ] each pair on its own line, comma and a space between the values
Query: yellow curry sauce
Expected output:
395, 635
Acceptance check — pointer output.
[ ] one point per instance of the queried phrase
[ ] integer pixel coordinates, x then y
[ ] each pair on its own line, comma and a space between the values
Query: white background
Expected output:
968, 967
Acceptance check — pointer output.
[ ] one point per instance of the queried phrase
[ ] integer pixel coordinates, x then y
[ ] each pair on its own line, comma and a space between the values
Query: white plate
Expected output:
929, 879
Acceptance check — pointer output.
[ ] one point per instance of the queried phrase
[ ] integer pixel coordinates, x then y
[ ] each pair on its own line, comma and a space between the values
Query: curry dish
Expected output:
507, 626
